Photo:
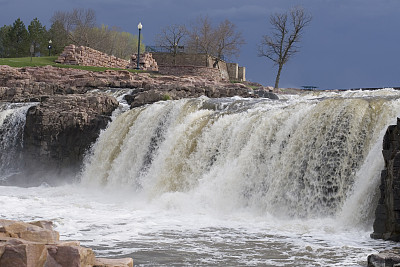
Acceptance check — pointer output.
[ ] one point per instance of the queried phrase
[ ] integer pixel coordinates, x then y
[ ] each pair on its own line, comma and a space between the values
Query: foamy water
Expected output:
164, 232
227, 182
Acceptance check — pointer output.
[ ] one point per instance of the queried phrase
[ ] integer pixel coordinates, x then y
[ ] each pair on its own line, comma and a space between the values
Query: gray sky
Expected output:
349, 43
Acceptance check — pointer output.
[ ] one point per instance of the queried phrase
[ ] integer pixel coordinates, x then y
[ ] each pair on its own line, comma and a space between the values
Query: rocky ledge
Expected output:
30, 83
37, 244
72, 106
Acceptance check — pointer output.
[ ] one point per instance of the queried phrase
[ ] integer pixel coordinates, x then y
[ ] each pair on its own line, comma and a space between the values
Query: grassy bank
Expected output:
44, 61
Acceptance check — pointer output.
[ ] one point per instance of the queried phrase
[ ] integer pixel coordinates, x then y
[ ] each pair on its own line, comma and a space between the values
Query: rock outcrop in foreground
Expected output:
386, 258
37, 244
387, 214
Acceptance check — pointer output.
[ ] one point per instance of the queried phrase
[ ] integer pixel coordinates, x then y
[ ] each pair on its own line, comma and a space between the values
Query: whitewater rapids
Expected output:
228, 182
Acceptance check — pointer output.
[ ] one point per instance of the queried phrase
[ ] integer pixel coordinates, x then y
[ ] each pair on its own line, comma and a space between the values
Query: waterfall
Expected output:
12, 122
306, 157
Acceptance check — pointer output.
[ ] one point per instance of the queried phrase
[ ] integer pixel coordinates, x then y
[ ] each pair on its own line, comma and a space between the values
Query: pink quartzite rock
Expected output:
19, 248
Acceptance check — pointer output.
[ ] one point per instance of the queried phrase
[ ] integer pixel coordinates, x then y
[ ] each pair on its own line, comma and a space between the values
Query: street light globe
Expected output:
140, 26
50, 41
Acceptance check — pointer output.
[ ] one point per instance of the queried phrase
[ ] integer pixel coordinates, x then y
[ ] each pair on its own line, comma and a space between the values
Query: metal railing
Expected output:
165, 49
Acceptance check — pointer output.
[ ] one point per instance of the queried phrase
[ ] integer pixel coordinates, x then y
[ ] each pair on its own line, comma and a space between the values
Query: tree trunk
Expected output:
278, 75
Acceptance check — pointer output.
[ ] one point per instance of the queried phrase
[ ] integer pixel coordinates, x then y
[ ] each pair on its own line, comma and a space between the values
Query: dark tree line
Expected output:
67, 27
16, 39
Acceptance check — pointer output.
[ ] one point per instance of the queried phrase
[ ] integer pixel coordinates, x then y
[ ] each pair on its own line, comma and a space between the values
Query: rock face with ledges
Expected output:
60, 129
387, 214
30, 83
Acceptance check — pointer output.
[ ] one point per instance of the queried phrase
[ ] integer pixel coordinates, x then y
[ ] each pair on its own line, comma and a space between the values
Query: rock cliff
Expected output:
387, 214
60, 129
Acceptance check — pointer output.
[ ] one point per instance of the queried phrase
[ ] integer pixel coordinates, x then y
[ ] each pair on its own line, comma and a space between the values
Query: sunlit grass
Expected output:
46, 61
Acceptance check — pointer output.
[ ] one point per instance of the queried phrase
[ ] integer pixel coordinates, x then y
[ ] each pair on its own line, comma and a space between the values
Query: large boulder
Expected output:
37, 244
386, 258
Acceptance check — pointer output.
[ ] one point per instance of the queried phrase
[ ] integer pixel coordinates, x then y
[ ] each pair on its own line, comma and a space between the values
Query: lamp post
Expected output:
32, 50
49, 47
139, 26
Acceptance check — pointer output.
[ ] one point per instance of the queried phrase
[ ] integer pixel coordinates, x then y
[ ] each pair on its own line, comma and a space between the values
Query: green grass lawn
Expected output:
44, 61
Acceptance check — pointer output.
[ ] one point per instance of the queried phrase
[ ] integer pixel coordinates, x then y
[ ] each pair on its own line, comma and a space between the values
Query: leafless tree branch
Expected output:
281, 44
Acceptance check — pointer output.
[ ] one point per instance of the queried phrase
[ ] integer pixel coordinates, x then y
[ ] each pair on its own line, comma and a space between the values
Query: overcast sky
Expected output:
349, 43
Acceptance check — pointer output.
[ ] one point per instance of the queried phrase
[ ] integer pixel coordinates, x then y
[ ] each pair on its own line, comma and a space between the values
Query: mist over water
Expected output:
228, 182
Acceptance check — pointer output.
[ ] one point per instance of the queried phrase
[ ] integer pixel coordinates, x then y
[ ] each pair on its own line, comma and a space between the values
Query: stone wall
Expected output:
199, 60
210, 73
221, 66
387, 213
181, 59
233, 69
86, 56
242, 74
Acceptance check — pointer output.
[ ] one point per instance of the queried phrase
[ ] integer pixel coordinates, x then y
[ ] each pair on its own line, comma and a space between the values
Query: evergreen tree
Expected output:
18, 40
59, 36
4, 41
38, 36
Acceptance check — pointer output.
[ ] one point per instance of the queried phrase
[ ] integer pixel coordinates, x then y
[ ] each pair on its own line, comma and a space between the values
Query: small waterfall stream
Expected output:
12, 122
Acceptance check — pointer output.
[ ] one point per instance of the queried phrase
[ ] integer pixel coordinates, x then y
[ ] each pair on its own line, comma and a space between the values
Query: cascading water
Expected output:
288, 158
228, 182
12, 122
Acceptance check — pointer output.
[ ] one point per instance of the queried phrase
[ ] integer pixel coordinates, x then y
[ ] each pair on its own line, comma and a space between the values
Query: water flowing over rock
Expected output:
309, 150
37, 244
68, 115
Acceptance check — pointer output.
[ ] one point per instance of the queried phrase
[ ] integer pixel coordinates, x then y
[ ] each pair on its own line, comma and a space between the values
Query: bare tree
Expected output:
78, 24
281, 45
171, 38
201, 36
83, 21
227, 40
222, 41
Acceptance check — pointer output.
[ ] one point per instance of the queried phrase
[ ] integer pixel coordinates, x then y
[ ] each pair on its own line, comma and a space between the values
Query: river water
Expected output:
227, 182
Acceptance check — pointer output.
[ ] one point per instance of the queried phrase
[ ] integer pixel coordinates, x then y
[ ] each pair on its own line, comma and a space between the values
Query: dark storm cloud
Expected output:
350, 43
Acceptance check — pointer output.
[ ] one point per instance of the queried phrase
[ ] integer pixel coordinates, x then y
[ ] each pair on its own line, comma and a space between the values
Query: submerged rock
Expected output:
386, 258
37, 244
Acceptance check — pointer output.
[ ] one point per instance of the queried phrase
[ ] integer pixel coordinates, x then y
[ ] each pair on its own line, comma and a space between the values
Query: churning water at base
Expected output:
228, 182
